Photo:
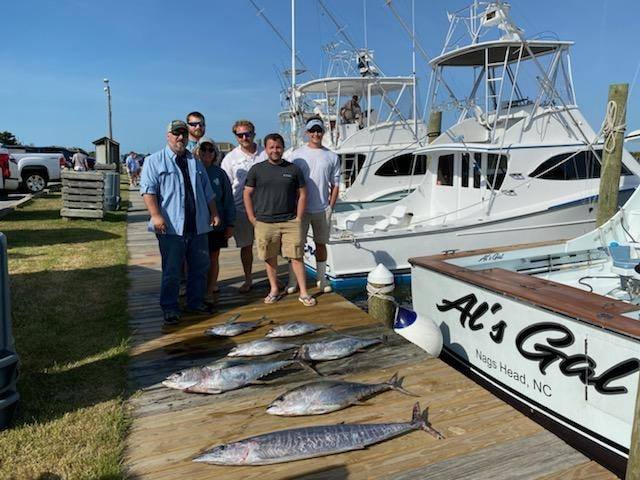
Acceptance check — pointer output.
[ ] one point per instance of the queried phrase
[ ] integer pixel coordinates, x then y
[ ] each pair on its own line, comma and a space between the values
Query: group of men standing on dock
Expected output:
198, 201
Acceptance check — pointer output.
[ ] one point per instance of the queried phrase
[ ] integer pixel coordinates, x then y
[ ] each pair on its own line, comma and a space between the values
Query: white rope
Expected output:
609, 128
380, 292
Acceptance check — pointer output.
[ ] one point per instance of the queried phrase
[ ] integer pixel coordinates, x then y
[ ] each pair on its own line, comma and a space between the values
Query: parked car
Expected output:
31, 171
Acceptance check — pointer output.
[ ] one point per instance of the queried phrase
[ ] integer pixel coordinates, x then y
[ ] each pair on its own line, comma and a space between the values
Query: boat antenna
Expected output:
345, 35
413, 66
410, 32
278, 34
364, 9
294, 106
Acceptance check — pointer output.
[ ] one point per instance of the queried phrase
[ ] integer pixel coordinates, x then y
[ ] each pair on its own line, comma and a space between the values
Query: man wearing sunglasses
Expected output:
181, 203
236, 165
197, 129
321, 170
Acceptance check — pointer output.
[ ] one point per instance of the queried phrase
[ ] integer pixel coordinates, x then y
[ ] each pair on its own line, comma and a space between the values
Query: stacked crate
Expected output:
82, 194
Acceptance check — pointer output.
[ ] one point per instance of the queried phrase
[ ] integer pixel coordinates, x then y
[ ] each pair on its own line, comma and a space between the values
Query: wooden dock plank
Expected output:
485, 437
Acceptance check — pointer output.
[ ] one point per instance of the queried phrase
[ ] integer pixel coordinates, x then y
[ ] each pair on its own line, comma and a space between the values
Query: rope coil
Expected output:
609, 128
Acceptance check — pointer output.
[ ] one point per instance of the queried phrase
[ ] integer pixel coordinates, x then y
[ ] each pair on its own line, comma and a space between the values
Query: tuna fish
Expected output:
329, 395
293, 329
238, 376
191, 376
334, 349
308, 442
232, 328
263, 346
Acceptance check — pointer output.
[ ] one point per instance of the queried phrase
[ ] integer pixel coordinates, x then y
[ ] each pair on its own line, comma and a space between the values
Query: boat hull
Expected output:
575, 378
349, 261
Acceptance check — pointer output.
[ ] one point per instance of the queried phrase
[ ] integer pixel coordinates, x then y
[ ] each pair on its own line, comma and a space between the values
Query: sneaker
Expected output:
171, 319
324, 286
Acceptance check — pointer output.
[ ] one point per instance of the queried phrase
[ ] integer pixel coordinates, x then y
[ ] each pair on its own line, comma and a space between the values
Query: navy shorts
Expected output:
217, 241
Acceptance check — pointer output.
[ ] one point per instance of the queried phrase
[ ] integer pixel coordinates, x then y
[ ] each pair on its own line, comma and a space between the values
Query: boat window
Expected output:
445, 170
351, 164
477, 164
403, 165
496, 170
464, 177
582, 165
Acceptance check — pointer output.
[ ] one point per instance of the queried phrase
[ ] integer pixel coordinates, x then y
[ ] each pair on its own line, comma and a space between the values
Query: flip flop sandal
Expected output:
307, 301
271, 298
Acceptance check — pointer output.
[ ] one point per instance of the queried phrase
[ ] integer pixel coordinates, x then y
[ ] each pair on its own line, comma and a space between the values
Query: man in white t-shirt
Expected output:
321, 170
236, 165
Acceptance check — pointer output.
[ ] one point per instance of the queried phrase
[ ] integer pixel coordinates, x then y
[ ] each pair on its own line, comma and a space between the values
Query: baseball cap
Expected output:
314, 122
176, 125
206, 140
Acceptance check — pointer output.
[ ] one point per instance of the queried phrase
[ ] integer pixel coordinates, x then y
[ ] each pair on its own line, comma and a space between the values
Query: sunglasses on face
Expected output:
177, 133
315, 130
244, 134
195, 124
207, 149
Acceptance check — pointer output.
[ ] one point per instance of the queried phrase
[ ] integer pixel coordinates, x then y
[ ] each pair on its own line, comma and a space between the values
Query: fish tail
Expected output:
264, 318
421, 421
395, 383
330, 327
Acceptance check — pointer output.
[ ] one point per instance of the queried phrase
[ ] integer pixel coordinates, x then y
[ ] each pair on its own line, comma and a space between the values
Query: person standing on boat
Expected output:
207, 152
236, 165
351, 111
197, 129
275, 197
177, 192
321, 170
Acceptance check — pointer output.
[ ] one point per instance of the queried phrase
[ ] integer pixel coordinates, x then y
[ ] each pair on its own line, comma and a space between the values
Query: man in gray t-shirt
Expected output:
275, 197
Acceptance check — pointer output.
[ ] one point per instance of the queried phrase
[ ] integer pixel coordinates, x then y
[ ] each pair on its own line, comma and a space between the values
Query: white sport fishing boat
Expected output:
376, 150
520, 162
553, 329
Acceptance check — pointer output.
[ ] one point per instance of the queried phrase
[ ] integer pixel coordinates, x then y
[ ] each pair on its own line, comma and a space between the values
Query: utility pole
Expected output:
107, 90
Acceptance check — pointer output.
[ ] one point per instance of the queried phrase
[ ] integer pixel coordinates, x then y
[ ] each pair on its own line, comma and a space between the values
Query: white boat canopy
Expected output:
474, 55
355, 85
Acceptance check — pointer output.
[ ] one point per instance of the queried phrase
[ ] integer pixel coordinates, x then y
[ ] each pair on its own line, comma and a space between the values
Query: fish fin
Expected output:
307, 365
330, 327
422, 421
396, 384
233, 318
264, 318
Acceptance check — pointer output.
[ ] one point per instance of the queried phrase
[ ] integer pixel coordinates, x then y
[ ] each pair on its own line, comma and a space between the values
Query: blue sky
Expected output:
166, 58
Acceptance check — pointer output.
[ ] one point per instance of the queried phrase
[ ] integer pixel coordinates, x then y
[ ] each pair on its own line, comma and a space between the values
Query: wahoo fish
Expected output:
237, 376
263, 346
231, 328
334, 349
308, 442
293, 329
326, 396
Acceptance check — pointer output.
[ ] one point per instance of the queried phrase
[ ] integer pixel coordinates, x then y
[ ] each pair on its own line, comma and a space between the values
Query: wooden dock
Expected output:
485, 437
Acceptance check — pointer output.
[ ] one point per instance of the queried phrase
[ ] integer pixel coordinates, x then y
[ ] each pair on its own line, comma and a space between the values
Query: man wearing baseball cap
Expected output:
321, 170
181, 202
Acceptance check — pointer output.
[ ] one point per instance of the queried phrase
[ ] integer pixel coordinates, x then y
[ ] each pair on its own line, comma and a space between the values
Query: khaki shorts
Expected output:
281, 238
320, 224
242, 230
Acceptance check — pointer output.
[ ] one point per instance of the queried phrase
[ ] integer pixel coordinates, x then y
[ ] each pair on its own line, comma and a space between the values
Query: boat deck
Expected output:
485, 437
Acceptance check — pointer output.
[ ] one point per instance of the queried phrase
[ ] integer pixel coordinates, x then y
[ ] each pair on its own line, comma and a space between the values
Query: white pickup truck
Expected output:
30, 171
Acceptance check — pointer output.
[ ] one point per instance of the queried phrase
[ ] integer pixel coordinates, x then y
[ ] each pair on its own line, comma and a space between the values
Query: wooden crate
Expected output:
82, 194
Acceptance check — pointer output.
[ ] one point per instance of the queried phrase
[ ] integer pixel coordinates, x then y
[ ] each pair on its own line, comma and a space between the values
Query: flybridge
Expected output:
506, 75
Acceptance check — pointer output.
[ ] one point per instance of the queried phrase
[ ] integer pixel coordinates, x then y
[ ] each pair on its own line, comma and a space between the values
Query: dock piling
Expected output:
380, 286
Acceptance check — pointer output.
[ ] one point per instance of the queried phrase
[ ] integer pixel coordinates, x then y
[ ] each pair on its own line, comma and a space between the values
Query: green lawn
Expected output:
69, 302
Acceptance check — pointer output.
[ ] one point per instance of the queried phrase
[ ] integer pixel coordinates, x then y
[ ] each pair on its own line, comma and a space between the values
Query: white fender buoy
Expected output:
419, 330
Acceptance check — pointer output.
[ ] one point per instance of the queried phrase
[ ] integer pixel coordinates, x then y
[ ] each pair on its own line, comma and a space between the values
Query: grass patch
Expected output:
69, 303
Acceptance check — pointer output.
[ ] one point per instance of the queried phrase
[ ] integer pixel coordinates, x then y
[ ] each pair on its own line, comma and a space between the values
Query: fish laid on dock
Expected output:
293, 329
326, 396
231, 328
191, 376
263, 346
335, 349
308, 442
224, 379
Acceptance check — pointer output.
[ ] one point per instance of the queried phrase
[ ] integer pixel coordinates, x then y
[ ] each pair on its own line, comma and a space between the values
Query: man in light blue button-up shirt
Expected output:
181, 202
